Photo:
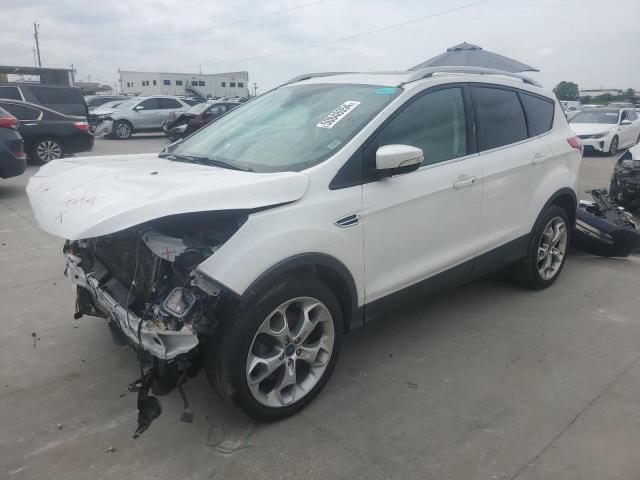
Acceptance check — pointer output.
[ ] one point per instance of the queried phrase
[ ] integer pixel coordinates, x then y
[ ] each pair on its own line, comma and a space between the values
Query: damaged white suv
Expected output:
257, 242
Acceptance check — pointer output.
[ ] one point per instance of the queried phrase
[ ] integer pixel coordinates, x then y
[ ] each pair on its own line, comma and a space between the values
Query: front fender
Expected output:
268, 240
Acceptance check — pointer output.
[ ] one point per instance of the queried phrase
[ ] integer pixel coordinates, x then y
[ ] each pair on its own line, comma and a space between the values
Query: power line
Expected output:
341, 39
203, 30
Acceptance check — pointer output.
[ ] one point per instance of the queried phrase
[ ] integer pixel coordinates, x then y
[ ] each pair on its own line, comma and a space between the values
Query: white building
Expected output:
230, 84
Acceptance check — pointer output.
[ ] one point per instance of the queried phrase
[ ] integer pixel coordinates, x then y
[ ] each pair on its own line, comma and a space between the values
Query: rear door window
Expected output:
539, 113
11, 93
169, 103
499, 116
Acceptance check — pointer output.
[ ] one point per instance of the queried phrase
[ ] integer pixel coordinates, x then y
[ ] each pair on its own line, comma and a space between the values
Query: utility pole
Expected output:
73, 74
255, 89
35, 34
35, 62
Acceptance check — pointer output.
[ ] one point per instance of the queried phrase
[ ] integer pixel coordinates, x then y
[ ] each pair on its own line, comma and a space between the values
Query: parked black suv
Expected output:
47, 134
13, 160
63, 99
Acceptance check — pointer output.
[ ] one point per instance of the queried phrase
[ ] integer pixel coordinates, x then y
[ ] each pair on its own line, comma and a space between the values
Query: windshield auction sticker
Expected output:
338, 114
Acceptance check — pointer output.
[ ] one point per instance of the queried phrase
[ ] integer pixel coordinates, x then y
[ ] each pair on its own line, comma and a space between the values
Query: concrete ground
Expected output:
490, 381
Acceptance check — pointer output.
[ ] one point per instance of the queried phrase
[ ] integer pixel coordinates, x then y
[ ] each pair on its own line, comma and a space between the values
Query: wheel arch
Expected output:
567, 199
331, 271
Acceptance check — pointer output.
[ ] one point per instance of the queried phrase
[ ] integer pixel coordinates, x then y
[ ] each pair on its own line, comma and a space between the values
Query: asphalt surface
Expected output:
490, 381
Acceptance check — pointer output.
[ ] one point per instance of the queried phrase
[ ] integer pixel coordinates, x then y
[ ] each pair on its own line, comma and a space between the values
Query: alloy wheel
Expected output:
552, 248
123, 130
290, 352
48, 150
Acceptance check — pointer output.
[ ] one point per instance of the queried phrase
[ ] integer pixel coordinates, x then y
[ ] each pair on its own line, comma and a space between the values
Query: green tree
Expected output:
567, 91
629, 94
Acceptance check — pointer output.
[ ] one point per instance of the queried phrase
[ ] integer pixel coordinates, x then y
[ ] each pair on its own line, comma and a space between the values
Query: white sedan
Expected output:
607, 129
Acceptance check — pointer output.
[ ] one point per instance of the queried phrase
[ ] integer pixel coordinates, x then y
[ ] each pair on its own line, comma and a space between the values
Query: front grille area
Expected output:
118, 255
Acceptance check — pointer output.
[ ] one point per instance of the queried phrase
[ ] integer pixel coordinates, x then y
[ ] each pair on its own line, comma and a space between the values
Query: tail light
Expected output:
9, 122
82, 126
576, 143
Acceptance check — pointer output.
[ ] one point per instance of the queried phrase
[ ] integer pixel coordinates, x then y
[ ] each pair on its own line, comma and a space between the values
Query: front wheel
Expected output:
122, 130
278, 351
613, 147
547, 250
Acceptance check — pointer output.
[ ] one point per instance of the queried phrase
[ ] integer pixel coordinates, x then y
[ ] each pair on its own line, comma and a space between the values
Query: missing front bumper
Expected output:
163, 344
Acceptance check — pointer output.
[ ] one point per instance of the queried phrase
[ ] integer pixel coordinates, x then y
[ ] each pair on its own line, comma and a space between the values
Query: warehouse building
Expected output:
230, 84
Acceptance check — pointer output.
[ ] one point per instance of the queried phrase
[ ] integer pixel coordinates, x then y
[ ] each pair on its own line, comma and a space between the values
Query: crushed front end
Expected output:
145, 282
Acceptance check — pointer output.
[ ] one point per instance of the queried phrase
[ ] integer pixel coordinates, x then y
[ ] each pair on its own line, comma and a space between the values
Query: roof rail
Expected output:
431, 71
307, 76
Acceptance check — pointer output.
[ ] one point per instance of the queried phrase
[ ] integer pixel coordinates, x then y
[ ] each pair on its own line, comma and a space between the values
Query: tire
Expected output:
122, 130
613, 146
235, 361
530, 270
46, 149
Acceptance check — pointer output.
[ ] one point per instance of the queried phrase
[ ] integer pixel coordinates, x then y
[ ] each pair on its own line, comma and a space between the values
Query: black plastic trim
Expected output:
451, 278
312, 259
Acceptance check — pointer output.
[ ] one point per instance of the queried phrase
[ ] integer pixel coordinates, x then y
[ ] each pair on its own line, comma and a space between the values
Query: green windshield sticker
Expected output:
386, 91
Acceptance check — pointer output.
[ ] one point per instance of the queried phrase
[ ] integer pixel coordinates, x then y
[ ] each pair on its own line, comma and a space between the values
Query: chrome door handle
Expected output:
465, 182
538, 158
30, 124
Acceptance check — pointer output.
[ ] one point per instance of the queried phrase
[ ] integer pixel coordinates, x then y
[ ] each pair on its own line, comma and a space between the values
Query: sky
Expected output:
275, 40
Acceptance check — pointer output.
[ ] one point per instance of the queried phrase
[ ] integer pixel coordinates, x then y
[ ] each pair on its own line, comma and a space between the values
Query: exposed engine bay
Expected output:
625, 180
145, 281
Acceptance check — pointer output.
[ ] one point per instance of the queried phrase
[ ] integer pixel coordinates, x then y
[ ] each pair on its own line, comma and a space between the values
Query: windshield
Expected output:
596, 116
112, 104
198, 108
132, 102
289, 129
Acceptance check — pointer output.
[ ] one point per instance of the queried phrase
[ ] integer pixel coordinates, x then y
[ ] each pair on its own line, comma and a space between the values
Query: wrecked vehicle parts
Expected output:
603, 228
625, 180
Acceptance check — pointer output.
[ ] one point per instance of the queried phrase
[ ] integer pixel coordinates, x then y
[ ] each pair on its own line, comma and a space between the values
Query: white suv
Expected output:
261, 239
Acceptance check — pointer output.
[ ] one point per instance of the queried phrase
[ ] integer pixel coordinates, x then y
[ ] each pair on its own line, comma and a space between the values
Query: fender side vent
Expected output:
348, 221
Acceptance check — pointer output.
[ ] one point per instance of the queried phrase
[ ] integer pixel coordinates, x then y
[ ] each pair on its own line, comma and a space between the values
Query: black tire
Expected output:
46, 149
122, 130
525, 271
226, 356
613, 146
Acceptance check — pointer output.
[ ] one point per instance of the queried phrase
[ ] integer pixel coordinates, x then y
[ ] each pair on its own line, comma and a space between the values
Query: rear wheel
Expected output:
277, 352
547, 250
47, 149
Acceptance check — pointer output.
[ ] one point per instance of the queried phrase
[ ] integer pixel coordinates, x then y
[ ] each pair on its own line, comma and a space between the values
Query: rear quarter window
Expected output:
499, 116
539, 113
57, 96
11, 93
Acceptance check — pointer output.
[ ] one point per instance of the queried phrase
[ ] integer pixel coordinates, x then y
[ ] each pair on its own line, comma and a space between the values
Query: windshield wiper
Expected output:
207, 161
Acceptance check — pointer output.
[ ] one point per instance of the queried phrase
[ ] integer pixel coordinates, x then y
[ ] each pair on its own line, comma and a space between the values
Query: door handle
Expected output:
30, 124
538, 158
464, 182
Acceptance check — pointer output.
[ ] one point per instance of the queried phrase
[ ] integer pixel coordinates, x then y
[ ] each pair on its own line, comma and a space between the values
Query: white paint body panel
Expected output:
411, 226
89, 197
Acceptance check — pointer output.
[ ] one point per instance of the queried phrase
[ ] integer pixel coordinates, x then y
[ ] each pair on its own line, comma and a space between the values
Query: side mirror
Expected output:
397, 159
138, 107
625, 122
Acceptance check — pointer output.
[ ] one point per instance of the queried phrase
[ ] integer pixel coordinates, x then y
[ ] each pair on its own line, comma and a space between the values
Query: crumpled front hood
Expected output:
88, 197
591, 128
104, 111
